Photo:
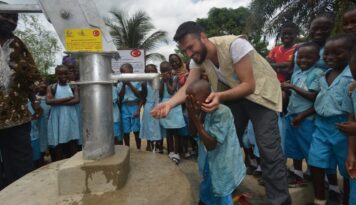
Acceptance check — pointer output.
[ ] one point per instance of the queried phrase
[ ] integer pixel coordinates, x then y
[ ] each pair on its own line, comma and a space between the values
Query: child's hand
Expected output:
137, 113
193, 112
351, 166
349, 128
296, 121
286, 85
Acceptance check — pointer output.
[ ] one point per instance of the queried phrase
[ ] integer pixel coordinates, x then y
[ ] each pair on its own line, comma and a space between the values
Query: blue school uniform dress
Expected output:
63, 123
129, 106
349, 105
298, 139
150, 126
42, 123
223, 168
117, 128
329, 145
35, 141
174, 119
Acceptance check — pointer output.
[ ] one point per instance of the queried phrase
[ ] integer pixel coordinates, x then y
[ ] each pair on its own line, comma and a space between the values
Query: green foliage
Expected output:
135, 31
273, 14
42, 43
225, 21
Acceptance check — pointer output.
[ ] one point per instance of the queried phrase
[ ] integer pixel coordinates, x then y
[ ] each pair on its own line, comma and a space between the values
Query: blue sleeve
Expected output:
219, 124
315, 83
347, 104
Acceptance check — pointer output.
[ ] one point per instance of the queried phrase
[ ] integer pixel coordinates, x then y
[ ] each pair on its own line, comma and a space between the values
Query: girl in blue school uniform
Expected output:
43, 120
63, 123
328, 148
220, 158
349, 128
130, 99
174, 120
303, 89
150, 126
117, 126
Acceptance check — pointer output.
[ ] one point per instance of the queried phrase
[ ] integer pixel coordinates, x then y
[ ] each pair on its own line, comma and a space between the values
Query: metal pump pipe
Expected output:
153, 77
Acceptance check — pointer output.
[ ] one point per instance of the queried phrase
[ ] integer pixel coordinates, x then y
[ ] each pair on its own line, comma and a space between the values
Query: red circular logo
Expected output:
135, 53
96, 33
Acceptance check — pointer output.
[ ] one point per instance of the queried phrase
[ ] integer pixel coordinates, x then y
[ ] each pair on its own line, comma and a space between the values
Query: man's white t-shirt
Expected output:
239, 49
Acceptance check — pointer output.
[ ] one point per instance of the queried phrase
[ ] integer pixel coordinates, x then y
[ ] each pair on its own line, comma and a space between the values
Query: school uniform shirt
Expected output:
307, 80
330, 98
129, 94
226, 165
349, 103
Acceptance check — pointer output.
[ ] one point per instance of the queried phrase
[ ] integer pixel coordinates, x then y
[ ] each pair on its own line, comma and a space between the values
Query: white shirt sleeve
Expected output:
239, 48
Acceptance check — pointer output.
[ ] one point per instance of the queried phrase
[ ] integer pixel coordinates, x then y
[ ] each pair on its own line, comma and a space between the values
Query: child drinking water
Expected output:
131, 102
300, 111
63, 125
174, 120
220, 159
150, 127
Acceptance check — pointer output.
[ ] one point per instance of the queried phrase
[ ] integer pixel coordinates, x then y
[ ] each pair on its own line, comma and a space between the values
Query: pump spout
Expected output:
153, 77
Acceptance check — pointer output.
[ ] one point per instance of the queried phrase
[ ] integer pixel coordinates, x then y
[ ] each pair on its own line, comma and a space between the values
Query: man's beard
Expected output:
203, 53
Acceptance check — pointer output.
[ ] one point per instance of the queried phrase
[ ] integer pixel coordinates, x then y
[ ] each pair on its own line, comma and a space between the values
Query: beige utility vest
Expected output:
267, 87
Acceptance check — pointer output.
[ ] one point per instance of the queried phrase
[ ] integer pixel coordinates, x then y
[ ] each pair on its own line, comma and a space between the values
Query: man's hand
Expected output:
161, 110
349, 128
211, 103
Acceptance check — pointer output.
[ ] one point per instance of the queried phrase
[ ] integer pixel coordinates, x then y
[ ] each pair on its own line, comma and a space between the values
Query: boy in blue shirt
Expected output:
349, 128
329, 145
131, 102
303, 89
220, 159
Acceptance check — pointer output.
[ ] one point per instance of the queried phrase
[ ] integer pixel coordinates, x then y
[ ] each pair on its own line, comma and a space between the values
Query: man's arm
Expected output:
161, 110
243, 69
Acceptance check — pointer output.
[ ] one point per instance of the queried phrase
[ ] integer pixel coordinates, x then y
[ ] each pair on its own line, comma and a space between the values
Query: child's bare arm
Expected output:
50, 100
310, 95
301, 116
208, 140
76, 99
171, 85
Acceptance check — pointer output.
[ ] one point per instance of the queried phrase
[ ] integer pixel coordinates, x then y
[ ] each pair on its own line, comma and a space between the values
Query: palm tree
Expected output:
274, 13
136, 32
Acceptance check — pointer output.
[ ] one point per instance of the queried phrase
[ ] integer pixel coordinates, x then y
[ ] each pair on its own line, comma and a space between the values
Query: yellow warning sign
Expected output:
87, 39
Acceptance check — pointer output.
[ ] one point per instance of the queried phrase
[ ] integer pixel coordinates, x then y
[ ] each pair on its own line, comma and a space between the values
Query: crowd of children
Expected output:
318, 121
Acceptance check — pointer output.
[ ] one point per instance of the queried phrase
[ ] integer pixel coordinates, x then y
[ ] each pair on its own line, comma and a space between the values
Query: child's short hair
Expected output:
290, 25
165, 66
329, 16
310, 44
200, 86
60, 67
349, 39
152, 65
189, 27
126, 65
